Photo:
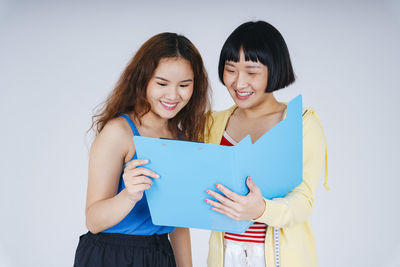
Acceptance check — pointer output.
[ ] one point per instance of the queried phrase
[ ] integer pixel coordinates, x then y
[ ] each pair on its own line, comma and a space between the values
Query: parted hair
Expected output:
129, 94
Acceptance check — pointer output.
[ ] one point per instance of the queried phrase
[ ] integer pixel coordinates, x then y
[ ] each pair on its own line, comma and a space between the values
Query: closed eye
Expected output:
162, 84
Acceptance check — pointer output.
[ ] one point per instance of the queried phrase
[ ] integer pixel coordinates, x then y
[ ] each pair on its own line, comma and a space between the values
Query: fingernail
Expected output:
249, 178
206, 200
217, 185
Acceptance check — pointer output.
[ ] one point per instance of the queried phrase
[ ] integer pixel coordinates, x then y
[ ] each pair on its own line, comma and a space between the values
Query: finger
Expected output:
222, 207
136, 180
144, 171
232, 195
251, 185
136, 162
226, 201
141, 187
226, 214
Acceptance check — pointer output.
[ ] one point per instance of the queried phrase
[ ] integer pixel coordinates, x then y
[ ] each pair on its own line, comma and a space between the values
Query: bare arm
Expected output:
104, 207
180, 241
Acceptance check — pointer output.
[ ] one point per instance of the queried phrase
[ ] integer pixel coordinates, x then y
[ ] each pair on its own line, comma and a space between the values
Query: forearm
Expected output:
106, 213
180, 241
297, 206
293, 209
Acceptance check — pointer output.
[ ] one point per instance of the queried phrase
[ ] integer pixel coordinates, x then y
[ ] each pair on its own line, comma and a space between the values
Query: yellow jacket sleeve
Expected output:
296, 206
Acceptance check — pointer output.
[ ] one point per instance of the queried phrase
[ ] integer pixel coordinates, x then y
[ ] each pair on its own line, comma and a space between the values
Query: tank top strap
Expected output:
180, 134
131, 124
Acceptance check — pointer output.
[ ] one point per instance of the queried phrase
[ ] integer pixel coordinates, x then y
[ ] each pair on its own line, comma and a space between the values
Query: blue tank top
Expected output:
138, 221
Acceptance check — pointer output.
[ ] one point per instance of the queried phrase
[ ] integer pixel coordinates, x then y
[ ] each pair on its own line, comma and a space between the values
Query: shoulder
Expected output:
216, 123
116, 128
310, 118
116, 136
223, 115
312, 126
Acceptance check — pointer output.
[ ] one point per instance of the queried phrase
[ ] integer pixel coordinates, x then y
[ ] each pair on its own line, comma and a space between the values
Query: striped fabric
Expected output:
256, 232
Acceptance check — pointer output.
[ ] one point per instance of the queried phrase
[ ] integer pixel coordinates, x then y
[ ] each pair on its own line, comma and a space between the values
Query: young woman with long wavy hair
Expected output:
163, 92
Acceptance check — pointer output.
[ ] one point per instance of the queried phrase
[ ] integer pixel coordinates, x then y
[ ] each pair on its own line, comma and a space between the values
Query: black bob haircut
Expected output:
264, 43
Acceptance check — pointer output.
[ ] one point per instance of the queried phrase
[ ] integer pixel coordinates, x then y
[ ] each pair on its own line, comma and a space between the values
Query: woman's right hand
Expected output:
135, 178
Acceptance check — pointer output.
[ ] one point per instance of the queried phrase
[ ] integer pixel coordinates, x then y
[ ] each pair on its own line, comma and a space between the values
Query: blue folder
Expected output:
188, 169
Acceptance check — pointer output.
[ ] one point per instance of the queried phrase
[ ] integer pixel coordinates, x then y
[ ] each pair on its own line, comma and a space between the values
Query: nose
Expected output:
241, 80
172, 93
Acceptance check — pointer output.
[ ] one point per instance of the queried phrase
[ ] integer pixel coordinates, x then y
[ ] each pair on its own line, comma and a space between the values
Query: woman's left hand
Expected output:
238, 207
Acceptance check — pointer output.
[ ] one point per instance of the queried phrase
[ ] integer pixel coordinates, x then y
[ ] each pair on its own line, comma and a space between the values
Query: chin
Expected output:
166, 114
244, 104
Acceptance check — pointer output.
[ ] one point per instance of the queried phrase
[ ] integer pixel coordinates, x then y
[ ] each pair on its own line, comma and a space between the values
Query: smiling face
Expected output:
246, 81
171, 87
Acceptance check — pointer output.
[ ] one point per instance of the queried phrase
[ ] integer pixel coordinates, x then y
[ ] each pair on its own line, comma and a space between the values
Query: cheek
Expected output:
149, 91
186, 94
228, 80
153, 93
261, 85
263, 82
225, 79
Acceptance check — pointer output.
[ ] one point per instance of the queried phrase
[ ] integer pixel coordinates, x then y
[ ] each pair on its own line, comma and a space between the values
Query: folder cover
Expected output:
187, 169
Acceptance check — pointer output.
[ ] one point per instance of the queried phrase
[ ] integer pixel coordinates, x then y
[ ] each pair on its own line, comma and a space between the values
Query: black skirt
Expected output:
117, 250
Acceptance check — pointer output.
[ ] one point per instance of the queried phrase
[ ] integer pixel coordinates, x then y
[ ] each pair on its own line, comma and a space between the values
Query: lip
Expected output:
169, 105
243, 97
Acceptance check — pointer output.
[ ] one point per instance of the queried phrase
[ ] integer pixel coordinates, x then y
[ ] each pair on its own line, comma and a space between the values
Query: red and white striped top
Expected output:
256, 232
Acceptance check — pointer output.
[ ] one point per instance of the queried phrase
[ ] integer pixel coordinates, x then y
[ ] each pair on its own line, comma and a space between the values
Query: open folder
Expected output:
188, 169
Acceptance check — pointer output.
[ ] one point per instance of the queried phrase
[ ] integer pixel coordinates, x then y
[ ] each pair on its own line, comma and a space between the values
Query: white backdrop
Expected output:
58, 60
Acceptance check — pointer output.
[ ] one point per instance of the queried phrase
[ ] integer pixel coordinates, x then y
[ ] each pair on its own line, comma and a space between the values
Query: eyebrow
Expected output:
253, 67
161, 79
247, 67
188, 80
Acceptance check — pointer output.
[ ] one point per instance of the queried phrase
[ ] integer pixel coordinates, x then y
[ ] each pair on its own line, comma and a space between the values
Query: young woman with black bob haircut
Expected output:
163, 92
255, 62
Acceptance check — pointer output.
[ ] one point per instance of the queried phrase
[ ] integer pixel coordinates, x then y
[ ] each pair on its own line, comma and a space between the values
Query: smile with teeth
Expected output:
169, 105
243, 93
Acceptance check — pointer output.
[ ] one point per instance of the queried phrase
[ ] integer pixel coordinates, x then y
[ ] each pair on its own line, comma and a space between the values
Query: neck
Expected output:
154, 122
267, 106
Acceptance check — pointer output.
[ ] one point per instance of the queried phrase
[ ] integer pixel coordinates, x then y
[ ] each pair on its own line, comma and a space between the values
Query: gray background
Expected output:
58, 60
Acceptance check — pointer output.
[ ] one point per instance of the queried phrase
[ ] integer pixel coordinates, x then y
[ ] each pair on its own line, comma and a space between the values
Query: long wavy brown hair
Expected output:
129, 94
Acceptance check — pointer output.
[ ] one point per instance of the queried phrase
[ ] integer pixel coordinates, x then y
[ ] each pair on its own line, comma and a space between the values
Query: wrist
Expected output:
261, 211
128, 198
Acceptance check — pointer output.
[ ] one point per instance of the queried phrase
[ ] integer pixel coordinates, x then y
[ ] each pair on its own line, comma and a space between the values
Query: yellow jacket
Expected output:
288, 214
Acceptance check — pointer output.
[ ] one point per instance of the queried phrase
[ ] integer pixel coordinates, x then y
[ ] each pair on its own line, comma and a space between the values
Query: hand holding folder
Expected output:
188, 169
